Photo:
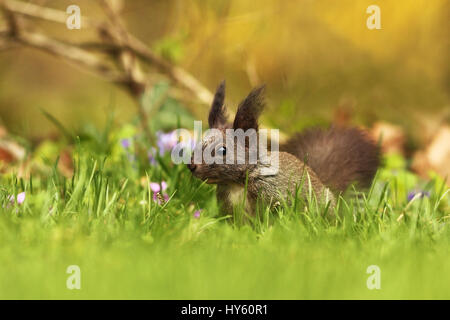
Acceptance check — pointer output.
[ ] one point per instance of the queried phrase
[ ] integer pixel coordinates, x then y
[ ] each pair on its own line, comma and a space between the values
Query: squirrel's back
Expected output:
339, 156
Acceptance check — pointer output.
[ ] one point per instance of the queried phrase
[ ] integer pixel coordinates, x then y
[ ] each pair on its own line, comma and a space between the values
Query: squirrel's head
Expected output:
227, 151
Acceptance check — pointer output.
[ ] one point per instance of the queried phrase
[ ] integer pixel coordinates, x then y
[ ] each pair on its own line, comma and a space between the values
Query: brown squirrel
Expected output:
323, 161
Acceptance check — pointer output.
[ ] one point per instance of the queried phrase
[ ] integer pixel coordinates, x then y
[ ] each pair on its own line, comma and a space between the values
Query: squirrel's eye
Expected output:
222, 151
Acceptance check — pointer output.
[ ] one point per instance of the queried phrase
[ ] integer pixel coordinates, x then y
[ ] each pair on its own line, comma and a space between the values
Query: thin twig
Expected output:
128, 62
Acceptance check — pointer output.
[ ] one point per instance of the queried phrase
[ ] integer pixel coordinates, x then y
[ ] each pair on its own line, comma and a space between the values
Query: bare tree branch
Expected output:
128, 60
116, 37
36, 11
80, 57
114, 41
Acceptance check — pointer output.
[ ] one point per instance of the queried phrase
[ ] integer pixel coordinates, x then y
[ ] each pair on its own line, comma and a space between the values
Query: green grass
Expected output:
128, 246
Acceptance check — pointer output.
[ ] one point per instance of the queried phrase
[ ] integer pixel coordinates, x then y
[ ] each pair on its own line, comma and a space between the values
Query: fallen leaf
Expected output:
11, 151
392, 137
65, 164
436, 156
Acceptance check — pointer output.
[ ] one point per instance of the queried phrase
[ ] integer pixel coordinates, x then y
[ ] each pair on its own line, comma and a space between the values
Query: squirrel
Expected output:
326, 162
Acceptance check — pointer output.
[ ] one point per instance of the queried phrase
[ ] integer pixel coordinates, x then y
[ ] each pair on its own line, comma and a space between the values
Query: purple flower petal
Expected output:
126, 143
421, 193
163, 185
197, 214
21, 197
166, 141
155, 187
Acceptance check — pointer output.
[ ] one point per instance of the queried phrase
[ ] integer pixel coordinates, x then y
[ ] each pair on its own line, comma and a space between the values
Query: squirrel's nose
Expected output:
192, 167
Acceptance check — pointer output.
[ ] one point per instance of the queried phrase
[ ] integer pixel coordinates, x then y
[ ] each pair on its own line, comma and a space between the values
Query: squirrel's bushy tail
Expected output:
339, 156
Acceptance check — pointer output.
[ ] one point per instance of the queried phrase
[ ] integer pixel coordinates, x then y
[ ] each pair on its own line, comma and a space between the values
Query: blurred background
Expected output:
320, 62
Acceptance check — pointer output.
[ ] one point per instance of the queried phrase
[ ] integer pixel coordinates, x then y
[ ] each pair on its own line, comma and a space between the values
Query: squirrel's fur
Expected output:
339, 156
324, 162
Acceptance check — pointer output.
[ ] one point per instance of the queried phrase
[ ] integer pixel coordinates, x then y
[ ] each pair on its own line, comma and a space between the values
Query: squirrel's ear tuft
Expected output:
217, 115
249, 110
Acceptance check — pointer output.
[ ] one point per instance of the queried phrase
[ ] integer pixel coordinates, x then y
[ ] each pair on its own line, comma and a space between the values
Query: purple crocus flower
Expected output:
20, 198
159, 188
125, 143
422, 194
197, 213
166, 141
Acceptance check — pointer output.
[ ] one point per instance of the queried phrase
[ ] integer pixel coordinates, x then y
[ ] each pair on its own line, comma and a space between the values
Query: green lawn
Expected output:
128, 246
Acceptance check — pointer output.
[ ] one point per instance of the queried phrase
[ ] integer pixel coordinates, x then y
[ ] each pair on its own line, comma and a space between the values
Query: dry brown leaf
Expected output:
436, 156
65, 164
10, 151
392, 137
